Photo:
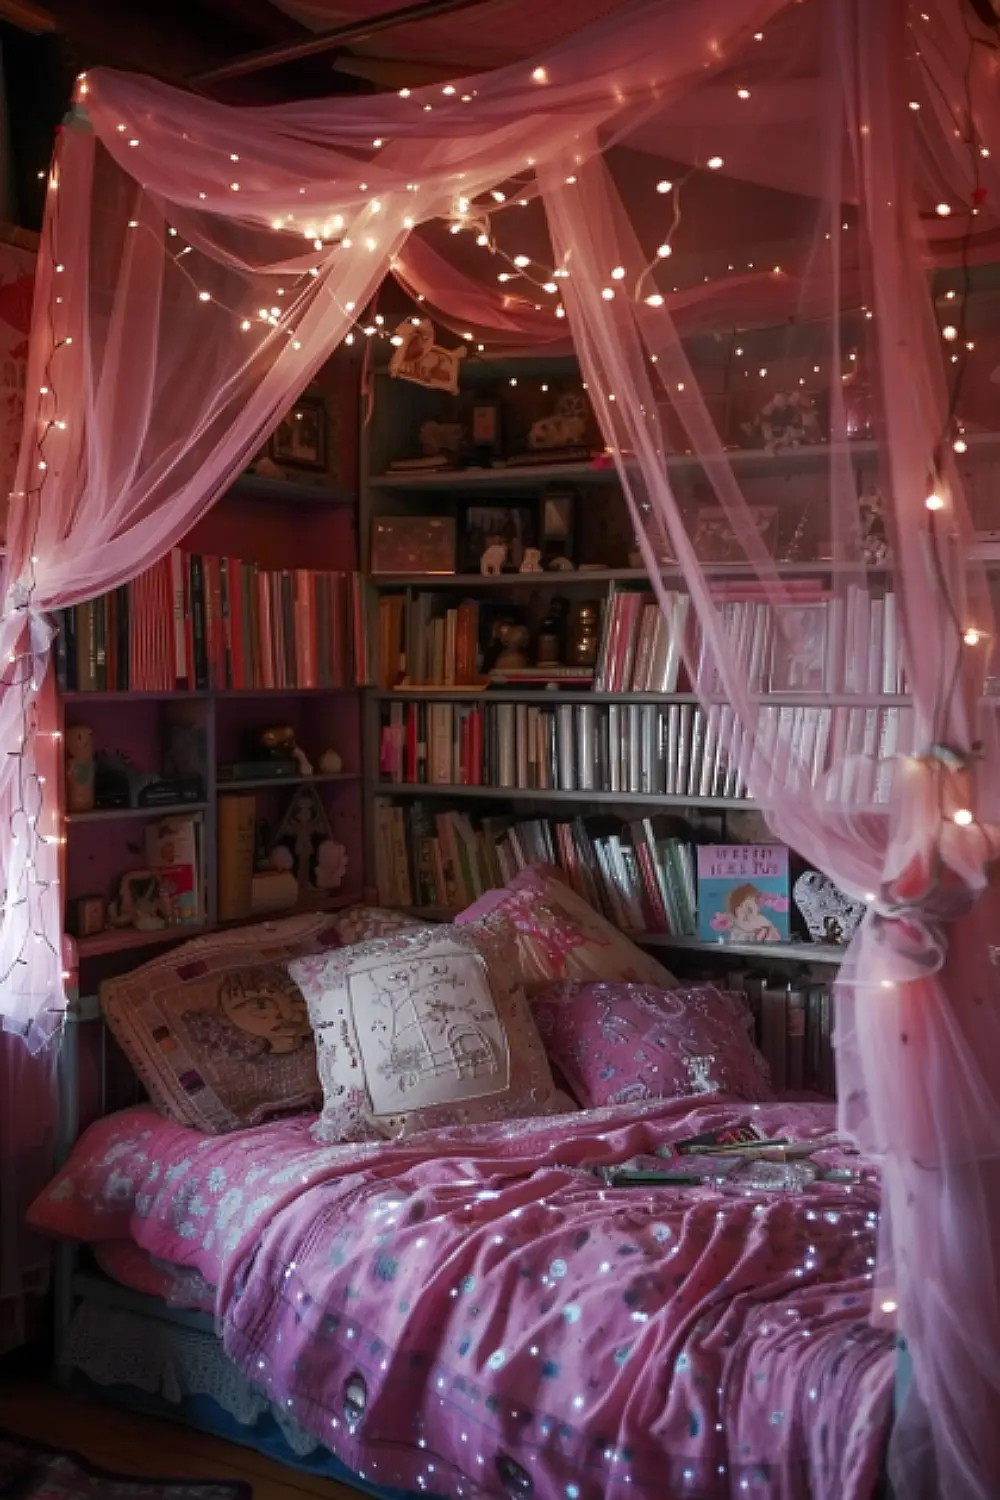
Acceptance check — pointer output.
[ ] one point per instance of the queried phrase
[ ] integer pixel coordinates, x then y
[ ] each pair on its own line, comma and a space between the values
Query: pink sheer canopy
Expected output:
667, 176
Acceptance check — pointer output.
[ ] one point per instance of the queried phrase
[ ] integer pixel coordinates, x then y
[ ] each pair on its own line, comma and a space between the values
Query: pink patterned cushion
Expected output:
561, 936
616, 1043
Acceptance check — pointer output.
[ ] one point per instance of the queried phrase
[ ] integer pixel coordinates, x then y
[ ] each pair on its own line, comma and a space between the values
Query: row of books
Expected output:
813, 642
793, 1028
424, 642
676, 749
198, 622
641, 875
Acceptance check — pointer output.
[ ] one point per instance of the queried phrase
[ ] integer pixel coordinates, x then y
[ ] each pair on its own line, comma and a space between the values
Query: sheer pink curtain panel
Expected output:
814, 162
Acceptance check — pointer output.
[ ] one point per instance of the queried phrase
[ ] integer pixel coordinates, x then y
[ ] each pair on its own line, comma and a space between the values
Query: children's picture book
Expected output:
173, 849
743, 893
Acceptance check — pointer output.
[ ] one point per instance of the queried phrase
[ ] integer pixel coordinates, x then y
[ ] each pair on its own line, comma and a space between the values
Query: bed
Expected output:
480, 1309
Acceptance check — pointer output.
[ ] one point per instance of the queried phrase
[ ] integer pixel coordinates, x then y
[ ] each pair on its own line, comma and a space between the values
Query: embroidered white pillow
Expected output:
422, 1030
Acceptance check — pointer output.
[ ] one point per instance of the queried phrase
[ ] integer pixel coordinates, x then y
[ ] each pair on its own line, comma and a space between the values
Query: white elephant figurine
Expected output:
532, 561
493, 558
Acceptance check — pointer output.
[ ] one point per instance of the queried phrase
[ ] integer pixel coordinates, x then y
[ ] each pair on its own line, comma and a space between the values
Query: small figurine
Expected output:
492, 561
786, 421
79, 769
584, 637
560, 565
875, 548
513, 646
304, 830
330, 763
278, 743
552, 634
532, 561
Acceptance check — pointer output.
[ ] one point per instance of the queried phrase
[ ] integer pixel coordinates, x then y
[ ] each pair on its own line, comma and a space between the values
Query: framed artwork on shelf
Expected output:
505, 531
413, 544
715, 540
301, 437
486, 433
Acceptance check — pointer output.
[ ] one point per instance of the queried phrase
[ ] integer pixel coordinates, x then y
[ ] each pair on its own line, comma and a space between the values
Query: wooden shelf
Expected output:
598, 577
121, 939
806, 953
126, 814
603, 470
546, 695
289, 491
527, 794
266, 783
120, 695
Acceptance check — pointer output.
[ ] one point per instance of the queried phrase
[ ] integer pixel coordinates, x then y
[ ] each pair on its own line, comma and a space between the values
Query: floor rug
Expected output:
30, 1471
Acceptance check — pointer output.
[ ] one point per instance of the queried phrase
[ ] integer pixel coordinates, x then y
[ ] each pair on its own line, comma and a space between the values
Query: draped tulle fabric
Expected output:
724, 201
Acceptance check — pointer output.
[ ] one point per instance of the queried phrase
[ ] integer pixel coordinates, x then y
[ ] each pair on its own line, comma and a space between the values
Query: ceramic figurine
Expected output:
492, 561
560, 565
532, 561
79, 769
565, 428
584, 637
330, 763
513, 646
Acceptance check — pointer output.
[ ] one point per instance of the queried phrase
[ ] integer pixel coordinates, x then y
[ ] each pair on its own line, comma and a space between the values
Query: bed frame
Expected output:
74, 1282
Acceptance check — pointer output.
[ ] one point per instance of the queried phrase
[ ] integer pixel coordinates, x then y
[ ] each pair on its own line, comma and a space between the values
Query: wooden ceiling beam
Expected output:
326, 41
27, 16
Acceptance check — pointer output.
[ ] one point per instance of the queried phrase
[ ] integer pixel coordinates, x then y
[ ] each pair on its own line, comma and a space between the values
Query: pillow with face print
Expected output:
218, 1030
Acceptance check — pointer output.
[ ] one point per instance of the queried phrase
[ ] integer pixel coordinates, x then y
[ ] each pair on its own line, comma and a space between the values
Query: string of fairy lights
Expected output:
520, 271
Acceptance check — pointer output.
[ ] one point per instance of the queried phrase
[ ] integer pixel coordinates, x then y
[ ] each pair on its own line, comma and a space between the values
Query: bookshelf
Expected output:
793, 481
302, 525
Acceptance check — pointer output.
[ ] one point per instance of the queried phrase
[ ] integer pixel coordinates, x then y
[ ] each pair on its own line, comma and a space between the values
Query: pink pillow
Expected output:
617, 1043
561, 936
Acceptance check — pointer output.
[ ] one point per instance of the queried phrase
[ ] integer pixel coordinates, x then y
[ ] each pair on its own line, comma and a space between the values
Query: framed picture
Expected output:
413, 544
486, 431
513, 526
715, 540
300, 439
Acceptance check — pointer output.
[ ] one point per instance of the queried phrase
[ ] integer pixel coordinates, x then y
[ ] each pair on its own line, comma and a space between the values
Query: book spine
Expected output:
237, 821
198, 617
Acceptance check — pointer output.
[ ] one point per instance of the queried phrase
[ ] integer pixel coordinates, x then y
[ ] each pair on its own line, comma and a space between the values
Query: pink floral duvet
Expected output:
478, 1314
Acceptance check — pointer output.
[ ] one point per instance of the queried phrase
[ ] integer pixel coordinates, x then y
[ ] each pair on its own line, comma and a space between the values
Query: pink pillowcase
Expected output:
618, 1043
561, 936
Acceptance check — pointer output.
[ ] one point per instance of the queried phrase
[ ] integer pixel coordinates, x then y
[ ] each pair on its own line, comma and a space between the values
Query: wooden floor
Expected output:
127, 1443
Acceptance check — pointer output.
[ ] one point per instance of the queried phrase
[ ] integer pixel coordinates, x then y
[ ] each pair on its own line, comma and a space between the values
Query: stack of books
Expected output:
641, 875
196, 622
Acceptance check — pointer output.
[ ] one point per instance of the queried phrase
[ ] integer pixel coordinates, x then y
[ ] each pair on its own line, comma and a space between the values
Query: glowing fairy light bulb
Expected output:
618, 274
664, 250
608, 293
943, 210
714, 163
664, 186
204, 296
655, 300
448, 89
949, 332
963, 817
743, 93
934, 501
972, 636
540, 76
404, 93
522, 261
960, 445
889, 1306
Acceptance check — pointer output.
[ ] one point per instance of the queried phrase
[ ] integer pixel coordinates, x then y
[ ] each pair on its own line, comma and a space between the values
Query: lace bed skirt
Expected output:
113, 1347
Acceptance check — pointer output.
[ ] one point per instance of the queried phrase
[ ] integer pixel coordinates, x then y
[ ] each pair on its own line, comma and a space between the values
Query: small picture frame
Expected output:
487, 439
413, 544
300, 439
715, 540
486, 526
